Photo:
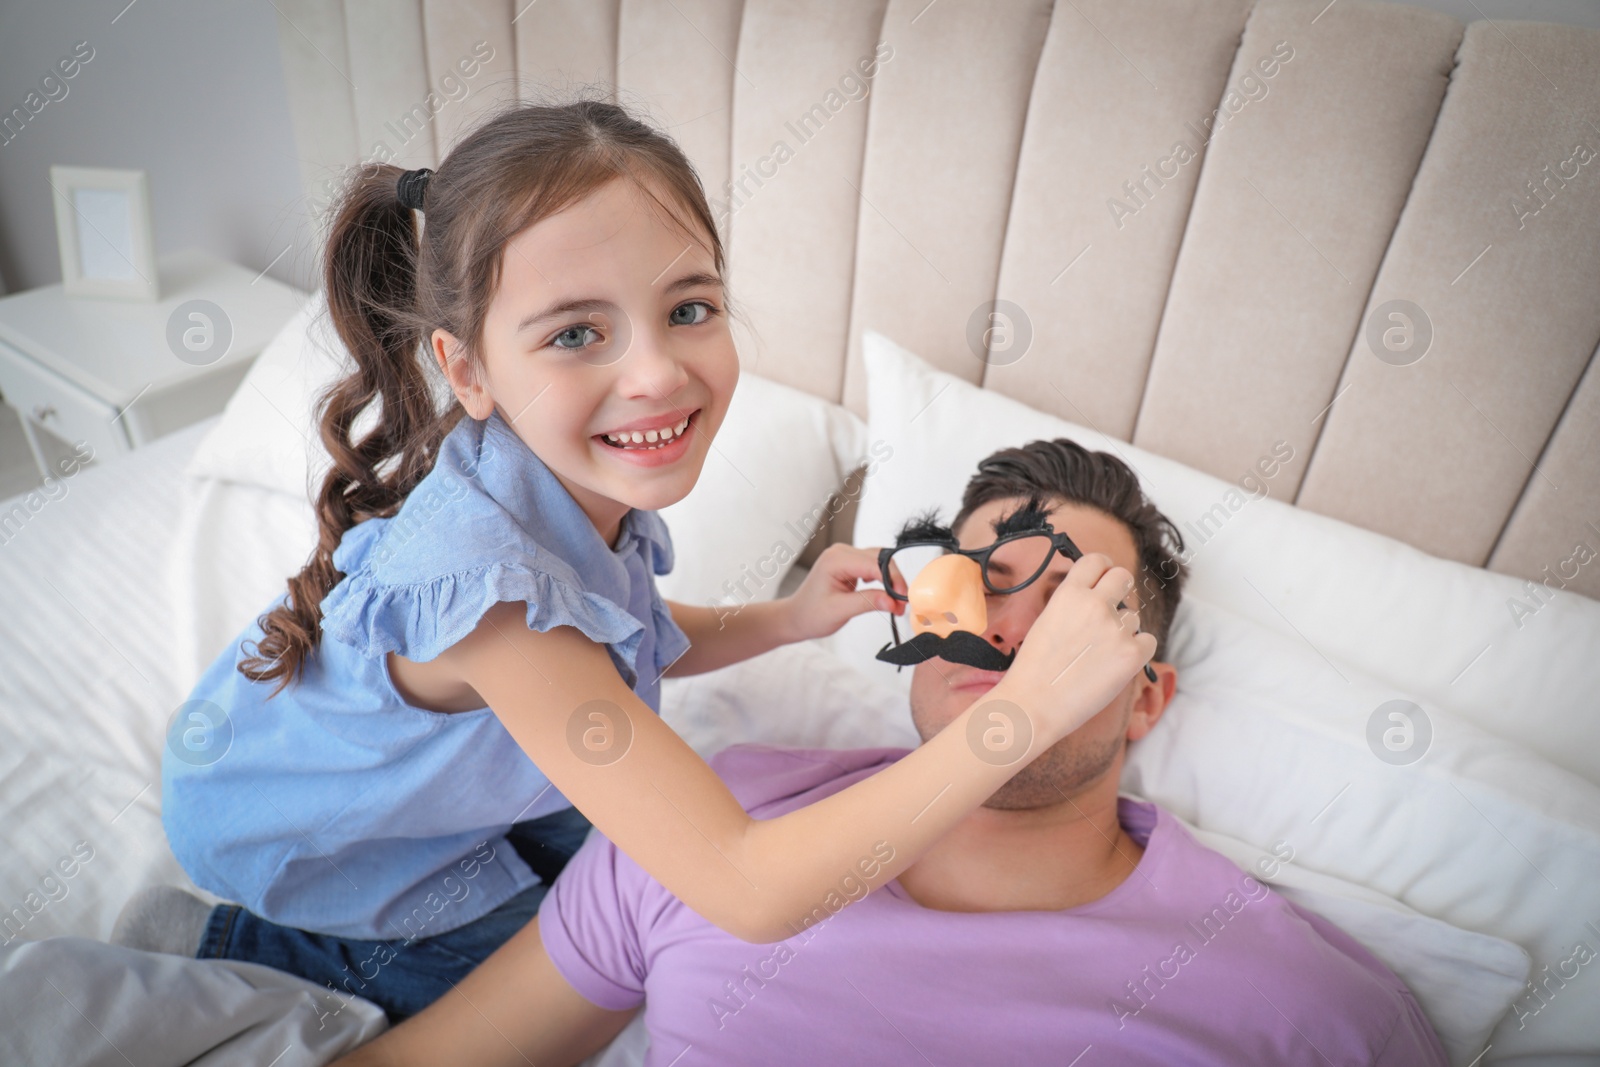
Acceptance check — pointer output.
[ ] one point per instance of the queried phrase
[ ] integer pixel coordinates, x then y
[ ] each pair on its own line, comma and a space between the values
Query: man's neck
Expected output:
1035, 859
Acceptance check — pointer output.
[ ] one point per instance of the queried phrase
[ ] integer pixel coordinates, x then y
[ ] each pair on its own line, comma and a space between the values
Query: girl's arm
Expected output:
723, 635
515, 1008
561, 698
827, 598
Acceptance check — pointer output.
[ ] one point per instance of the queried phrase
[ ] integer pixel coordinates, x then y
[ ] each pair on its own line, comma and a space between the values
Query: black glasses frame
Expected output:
1059, 542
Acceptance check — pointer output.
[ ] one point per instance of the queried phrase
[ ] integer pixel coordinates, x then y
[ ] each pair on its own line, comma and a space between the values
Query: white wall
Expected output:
192, 92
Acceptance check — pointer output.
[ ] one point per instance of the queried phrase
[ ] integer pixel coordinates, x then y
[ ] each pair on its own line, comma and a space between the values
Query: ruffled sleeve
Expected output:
421, 619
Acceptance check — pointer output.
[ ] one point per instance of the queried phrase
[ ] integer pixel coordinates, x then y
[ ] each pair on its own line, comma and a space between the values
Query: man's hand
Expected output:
828, 597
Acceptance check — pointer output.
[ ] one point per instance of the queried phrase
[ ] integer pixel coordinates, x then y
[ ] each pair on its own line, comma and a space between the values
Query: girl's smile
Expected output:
651, 442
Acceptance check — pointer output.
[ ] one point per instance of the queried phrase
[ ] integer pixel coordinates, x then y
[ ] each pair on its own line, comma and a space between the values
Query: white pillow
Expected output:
801, 695
1463, 980
1440, 630
267, 436
1268, 742
765, 488
763, 492
231, 554
1353, 619
804, 695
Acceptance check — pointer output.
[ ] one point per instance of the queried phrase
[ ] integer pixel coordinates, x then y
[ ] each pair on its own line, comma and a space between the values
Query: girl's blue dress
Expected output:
337, 807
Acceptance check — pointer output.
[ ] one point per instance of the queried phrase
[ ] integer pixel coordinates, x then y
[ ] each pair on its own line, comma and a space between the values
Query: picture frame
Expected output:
104, 232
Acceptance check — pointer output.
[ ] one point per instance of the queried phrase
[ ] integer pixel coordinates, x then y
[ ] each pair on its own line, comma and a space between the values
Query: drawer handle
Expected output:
42, 412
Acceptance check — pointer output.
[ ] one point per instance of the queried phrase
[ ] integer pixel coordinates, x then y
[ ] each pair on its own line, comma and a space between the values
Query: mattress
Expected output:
126, 583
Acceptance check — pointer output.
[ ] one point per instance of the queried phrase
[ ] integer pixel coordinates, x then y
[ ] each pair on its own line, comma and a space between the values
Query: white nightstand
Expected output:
117, 374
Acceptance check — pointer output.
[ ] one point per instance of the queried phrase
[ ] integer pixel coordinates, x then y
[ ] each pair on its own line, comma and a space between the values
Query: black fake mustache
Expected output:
961, 647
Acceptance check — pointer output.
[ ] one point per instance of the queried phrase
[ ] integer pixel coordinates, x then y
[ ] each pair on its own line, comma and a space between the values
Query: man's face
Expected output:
941, 690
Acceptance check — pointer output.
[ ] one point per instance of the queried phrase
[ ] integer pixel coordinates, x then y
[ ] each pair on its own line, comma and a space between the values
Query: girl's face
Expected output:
608, 321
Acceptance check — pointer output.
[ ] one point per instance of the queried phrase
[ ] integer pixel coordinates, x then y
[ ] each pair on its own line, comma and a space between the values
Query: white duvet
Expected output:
86, 689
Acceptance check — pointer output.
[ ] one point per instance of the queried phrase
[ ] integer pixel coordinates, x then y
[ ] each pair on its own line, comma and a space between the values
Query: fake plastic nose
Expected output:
947, 595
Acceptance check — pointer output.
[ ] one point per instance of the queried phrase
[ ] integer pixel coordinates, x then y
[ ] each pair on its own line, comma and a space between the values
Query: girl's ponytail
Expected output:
370, 276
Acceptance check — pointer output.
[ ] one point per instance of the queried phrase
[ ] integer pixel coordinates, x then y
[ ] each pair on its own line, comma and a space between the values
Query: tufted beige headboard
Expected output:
1202, 209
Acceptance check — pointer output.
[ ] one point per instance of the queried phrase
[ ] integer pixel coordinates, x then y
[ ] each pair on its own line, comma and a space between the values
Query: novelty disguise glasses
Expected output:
946, 585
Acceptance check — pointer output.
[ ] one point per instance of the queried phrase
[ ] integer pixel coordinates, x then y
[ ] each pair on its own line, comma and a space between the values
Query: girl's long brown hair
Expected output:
390, 286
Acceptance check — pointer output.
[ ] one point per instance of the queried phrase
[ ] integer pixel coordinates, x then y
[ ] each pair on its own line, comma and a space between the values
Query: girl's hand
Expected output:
1080, 652
828, 597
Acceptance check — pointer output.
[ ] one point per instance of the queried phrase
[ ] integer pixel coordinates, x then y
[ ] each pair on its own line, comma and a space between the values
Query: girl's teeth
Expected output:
655, 438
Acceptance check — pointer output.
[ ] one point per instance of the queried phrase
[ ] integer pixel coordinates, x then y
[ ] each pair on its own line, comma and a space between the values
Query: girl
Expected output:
388, 768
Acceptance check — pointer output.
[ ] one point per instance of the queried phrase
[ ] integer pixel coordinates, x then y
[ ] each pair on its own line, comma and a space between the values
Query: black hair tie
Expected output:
411, 186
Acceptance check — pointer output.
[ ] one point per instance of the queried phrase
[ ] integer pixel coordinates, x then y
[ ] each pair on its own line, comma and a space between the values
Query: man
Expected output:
1059, 923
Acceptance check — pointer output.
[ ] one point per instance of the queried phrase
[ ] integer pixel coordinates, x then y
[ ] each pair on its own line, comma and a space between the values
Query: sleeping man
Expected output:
1058, 924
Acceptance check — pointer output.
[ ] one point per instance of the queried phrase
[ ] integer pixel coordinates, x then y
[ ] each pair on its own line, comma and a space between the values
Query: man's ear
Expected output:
459, 372
1151, 699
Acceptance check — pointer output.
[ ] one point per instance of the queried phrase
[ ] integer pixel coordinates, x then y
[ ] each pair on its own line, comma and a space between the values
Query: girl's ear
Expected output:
459, 372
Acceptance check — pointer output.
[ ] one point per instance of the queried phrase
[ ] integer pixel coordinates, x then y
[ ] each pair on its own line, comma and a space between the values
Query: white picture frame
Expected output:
103, 229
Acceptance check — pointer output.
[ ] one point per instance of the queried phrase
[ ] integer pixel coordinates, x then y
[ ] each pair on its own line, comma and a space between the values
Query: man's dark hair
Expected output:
1063, 470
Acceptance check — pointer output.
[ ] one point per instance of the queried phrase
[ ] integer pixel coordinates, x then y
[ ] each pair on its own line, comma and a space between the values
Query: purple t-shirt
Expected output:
1189, 960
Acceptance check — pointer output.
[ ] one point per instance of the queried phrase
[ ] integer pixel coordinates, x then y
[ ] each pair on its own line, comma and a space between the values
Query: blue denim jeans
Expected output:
409, 974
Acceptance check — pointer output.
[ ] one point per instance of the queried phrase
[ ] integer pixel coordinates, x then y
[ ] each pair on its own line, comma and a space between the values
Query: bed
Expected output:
1424, 545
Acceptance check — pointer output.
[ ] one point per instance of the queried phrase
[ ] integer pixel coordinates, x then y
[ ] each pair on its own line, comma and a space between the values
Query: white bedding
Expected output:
87, 686
86, 690
121, 591
156, 1010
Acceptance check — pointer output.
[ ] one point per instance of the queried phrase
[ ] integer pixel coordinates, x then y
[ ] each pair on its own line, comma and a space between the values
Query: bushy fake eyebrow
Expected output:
1028, 516
924, 527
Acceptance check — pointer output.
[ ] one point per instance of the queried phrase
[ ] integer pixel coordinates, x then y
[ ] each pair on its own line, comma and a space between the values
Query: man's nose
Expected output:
1012, 615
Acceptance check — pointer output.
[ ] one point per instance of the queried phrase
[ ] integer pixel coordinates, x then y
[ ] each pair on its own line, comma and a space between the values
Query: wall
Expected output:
192, 92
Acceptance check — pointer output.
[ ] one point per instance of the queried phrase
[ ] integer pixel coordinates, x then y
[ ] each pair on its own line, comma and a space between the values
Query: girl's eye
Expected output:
693, 320
575, 334
582, 335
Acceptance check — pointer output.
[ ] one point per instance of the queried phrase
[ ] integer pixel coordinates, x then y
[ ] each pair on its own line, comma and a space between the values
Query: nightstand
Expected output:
116, 374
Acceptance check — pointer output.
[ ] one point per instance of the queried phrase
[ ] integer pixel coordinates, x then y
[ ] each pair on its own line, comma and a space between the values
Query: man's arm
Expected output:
514, 1008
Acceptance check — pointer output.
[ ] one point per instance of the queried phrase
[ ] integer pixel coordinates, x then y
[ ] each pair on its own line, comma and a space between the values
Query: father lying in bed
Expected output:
1058, 921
